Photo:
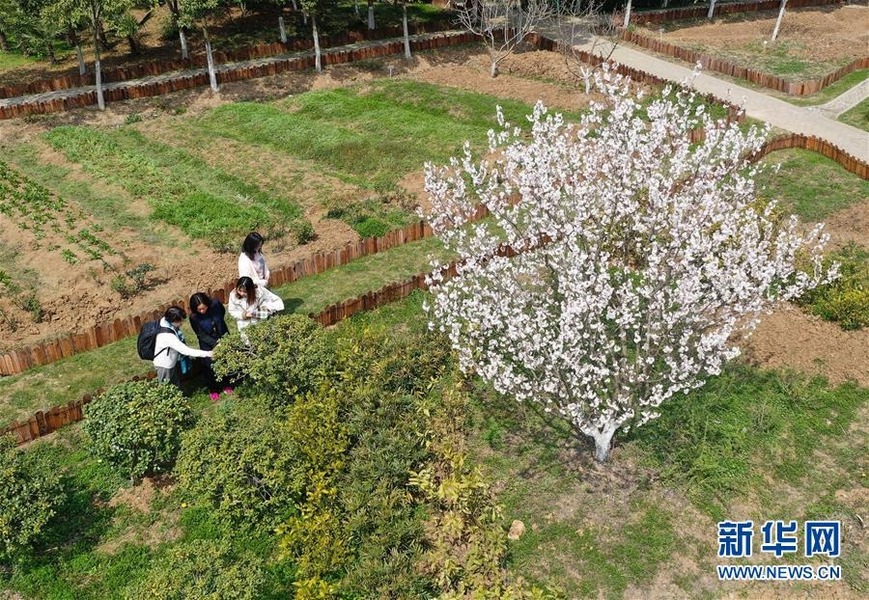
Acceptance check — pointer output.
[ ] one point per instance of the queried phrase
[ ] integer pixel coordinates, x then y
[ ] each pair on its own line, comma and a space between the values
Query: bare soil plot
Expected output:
810, 44
77, 296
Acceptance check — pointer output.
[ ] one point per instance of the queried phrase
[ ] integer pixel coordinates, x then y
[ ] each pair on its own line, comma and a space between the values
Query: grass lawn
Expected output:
751, 444
204, 202
857, 116
13, 60
831, 91
810, 185
71, 378
369, 136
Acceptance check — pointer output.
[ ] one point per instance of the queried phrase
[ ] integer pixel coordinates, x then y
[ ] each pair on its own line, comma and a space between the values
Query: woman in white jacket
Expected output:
250, 303
169, 346
251, 262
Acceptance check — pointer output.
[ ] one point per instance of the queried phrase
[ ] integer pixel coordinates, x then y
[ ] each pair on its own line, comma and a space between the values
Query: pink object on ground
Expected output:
215, 396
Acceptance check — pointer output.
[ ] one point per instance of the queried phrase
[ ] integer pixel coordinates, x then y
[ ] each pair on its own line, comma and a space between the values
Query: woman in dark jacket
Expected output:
206, 319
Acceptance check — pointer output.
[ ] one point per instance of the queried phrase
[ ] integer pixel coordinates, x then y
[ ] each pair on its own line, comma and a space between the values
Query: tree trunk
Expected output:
98, 73
184, 53
781, 13
371, 24
134, 45
283, 29
627, 15
49, 49
295, 6
405, 30
212, 75
711, 12
80, 54
4, 43
356, 7
317, 59
603, 441
494, 70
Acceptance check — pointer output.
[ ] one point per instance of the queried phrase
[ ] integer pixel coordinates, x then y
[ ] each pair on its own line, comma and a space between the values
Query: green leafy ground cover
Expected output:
751, 444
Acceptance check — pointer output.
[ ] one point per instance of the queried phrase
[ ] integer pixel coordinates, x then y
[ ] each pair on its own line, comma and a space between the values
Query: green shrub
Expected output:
241, 461
203, 570
136, 426
845, 300
284, 356
303, 231
29, 495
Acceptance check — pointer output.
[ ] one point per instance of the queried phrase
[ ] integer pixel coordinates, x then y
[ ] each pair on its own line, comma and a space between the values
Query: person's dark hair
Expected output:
249, 288
174, 314
253, 241
197, 299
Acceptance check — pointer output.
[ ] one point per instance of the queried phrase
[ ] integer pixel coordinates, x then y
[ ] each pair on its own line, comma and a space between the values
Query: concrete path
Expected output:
797, 119
845, 102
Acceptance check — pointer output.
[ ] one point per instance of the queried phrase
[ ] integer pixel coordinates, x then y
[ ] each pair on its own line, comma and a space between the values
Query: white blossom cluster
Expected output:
640, 254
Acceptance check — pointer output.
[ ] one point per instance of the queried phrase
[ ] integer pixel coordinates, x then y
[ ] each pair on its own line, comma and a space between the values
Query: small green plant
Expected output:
133, 281
133, 118
303, 231
136, 426
31, 304
845, 300
11, 321
29, 496
69, 256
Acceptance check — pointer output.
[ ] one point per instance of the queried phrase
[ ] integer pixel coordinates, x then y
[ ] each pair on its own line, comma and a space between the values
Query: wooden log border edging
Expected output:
650, 17
767, 80
198, 61
234, 73
45, 422
18, 361
711, 63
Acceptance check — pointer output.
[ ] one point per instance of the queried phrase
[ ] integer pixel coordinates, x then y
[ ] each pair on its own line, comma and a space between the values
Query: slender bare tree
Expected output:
781, 14
503, 24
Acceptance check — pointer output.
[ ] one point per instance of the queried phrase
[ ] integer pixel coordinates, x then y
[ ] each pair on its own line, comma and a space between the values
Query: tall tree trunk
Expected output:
371, 14
711, 12
627, 15
356, 7
135, 49
80, 54
4, 43
295, 6
98, 72
49, 49
185, 54
781, 13
405, 30
212, 75
283, 29
317, 59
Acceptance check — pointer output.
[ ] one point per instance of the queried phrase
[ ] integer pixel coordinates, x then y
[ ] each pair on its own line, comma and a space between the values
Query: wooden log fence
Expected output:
767, 80
45, 422
230, 73
150, 69
651, 17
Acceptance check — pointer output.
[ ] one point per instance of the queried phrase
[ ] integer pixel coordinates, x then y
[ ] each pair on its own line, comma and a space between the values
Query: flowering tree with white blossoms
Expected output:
634, 256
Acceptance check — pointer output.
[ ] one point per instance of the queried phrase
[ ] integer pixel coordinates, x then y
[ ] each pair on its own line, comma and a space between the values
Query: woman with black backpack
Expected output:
207, 321
169, 347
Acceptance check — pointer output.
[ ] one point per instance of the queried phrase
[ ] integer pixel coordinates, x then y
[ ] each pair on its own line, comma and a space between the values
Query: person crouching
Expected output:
170, 351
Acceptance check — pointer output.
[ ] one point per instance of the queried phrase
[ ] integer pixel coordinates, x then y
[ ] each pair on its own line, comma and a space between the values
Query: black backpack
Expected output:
147, 340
